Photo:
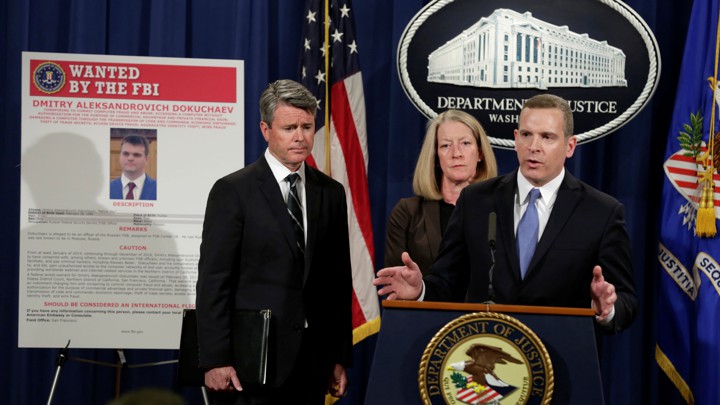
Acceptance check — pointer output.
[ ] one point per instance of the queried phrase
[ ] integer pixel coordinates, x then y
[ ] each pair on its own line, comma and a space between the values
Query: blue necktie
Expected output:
527, 233
293, 203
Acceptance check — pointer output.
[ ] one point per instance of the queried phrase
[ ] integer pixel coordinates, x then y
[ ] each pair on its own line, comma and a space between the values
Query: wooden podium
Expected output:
407, 327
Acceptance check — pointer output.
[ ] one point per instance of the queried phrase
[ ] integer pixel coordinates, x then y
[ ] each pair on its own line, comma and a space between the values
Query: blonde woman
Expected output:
454, 154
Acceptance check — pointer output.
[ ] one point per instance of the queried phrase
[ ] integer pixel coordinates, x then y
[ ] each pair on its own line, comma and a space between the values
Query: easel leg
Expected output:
122, 363
119, 366
204, 394
59, 362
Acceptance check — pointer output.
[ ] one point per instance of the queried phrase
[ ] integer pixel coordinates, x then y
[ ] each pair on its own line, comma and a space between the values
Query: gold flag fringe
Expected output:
705, 222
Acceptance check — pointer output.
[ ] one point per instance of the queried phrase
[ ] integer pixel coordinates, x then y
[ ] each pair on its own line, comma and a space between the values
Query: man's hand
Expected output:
338, 383
222, 379
400, 282
603, 294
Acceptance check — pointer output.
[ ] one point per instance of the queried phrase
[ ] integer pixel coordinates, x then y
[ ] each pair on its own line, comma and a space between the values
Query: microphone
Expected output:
492, 232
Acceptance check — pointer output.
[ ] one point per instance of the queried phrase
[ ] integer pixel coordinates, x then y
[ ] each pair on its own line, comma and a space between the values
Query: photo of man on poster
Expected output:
134, 183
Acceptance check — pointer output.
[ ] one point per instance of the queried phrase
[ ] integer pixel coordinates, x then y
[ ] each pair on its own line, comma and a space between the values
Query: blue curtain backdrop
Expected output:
266, 35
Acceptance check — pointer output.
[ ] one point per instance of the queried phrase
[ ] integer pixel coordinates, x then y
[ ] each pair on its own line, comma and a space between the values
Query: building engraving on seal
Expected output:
513, 50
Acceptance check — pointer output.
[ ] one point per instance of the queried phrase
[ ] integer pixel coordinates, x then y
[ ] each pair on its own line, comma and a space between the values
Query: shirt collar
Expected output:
139, 182
548, 191
279, 170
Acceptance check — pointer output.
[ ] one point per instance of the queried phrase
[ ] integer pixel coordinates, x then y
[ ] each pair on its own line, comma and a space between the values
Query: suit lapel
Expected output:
431, 217
565, 203
313, 199
505, 208
274, 200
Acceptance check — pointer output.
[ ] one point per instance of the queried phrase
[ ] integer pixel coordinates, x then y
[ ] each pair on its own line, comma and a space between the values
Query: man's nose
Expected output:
534, 143
298, 135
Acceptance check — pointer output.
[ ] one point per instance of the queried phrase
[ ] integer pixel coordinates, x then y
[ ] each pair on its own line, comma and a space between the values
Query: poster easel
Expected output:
63, 357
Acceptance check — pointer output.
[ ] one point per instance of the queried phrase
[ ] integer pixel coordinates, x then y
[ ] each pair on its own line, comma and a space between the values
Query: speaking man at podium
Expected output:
536, 236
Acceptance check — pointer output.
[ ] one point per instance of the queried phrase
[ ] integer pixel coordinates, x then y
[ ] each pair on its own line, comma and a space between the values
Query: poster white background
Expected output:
108, 273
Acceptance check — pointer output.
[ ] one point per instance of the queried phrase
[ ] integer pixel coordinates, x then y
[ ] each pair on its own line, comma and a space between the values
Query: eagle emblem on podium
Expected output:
486, 358
482, 385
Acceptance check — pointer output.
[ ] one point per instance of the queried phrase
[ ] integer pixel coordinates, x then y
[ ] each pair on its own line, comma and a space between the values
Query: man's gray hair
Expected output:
286, 92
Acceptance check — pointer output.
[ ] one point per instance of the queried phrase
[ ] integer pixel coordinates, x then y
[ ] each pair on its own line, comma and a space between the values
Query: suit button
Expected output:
297, 328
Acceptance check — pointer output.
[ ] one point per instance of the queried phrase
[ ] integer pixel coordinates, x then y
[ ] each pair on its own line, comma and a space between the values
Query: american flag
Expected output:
485, 395
346, 158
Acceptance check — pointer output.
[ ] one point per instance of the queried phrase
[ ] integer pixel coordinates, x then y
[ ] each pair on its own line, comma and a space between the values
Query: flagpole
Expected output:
715, 88
705, 220
711, 138
326, 45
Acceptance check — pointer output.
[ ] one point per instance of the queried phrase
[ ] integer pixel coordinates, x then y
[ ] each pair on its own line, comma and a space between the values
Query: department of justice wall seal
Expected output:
49, 77
486, 358
487, 57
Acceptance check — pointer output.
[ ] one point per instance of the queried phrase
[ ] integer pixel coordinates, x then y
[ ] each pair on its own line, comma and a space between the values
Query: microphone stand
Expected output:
491, 290
492, 233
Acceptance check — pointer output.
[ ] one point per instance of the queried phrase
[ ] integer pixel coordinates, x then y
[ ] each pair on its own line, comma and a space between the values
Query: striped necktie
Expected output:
295, 210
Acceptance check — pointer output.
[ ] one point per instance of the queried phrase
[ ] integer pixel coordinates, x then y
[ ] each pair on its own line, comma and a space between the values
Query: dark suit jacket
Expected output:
586, 228
149, 191
414, 227
249, 259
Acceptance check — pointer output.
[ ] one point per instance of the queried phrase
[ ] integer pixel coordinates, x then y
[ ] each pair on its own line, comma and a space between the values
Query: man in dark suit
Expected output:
134, 183
580, 250
257, 252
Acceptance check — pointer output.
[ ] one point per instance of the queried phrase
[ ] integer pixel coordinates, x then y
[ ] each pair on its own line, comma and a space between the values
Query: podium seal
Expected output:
485, 358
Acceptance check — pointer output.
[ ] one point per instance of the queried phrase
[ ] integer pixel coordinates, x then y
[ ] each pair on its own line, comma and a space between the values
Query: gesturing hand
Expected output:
400, 282
602, 293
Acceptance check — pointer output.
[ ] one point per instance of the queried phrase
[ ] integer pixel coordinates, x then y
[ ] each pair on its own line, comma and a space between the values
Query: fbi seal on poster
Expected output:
49, 77
486, 358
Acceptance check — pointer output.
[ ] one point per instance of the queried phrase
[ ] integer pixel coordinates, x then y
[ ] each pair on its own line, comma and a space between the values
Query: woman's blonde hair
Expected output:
428, 174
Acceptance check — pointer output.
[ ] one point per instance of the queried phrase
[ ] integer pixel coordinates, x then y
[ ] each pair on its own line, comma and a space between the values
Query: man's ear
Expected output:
571, 144
264, 128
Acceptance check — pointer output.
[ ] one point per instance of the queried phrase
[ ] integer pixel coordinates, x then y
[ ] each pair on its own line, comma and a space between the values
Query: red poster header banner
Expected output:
132, 81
